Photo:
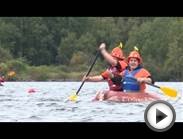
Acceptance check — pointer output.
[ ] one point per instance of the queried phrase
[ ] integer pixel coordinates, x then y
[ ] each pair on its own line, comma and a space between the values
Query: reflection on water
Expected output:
48, 103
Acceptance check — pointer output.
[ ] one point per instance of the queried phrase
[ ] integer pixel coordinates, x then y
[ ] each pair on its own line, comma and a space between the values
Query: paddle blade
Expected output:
73, 97
169, 91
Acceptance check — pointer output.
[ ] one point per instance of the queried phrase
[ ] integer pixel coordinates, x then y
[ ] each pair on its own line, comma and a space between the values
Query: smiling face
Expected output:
133, 63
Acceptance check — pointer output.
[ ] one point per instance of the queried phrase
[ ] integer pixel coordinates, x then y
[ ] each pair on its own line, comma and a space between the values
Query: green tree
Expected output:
66, 49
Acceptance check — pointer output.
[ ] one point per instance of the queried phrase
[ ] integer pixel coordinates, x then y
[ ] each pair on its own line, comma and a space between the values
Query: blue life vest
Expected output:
130, 84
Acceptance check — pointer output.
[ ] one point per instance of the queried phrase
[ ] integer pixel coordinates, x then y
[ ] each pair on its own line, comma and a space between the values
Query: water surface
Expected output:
48, 103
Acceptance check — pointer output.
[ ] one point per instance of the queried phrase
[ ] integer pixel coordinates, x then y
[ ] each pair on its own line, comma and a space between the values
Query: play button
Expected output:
159, 116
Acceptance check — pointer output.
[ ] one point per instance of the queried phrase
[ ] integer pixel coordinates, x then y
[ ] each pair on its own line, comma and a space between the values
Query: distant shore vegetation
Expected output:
62, 48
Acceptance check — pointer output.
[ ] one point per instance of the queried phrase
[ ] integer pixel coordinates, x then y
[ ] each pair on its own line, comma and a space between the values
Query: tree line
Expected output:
73, 41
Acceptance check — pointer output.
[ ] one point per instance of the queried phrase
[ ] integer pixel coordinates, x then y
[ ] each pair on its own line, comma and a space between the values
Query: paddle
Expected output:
74, 97
166, 90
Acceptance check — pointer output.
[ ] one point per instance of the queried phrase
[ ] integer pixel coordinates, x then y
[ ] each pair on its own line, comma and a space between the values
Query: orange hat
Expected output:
135, 54
118, 53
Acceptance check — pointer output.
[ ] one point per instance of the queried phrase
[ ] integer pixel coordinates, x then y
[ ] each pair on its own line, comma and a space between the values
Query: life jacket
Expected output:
128, 83
115, 71
115, 87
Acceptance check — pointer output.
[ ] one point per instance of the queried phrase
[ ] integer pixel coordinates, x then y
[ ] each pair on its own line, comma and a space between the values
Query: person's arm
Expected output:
145, 77
144, 80
93, 78
107, 56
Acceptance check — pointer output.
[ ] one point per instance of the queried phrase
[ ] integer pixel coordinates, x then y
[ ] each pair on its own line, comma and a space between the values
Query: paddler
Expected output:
135, 71
132, 78
2, 78
116, 60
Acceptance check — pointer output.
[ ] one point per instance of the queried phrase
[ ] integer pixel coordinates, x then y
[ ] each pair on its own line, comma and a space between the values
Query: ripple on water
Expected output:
49, 105
7, 100
35, 117
40, 104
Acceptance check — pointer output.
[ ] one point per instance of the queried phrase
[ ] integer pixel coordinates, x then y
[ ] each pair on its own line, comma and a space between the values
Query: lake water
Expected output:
48, 103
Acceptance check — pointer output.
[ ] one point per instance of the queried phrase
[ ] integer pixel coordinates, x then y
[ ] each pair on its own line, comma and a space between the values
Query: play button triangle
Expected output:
160, 116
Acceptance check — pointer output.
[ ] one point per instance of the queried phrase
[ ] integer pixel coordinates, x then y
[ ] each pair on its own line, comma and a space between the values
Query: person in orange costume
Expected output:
132, 79
117, 63
137, 72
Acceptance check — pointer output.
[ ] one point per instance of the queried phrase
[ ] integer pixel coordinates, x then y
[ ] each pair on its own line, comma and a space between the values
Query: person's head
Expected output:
117, 53
134, 59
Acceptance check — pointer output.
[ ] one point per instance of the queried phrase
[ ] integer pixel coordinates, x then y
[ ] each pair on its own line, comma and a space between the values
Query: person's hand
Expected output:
102, 46
140, 80
85, 78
